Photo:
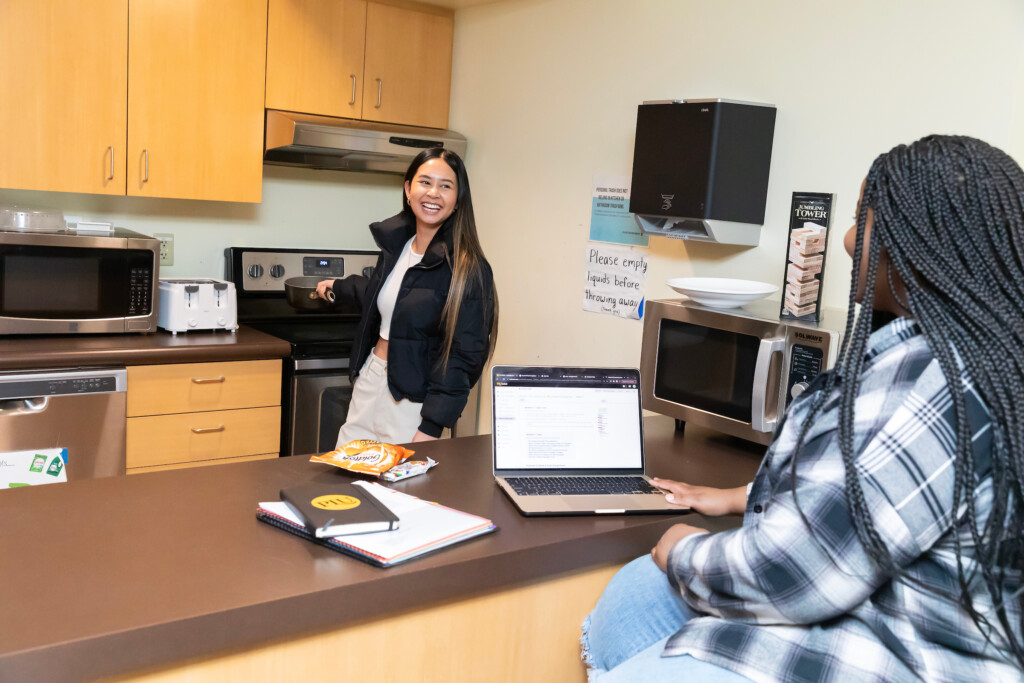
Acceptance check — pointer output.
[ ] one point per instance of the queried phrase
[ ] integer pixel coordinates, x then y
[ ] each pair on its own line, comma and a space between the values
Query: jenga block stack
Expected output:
805, 261
809, 239
798, 310
794, 273
802, 293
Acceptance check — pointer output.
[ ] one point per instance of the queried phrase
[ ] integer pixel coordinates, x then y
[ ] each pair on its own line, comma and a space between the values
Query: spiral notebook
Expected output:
424, 528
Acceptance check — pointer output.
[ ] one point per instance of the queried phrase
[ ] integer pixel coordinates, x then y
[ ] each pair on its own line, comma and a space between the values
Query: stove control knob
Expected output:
276, 271
255, 271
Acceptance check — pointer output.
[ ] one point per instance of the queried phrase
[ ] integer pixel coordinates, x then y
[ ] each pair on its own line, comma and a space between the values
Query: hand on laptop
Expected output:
704, 499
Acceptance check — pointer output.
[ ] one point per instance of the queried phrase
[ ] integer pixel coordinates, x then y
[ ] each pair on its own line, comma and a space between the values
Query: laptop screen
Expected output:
566, 418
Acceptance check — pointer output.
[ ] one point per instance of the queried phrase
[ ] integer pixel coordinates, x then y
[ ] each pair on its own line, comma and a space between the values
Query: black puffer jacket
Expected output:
417, 334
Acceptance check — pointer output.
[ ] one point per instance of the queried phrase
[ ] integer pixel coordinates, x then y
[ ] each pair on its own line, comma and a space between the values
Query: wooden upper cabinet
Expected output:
196, 74
315, 56
408, 66
63, 74
387, 61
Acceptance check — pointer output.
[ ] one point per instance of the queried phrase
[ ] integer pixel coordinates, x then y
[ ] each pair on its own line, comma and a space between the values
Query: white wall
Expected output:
546, 91
300, 208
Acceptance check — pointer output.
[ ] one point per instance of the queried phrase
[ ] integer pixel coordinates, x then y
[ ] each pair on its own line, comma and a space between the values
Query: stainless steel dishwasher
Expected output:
82, 410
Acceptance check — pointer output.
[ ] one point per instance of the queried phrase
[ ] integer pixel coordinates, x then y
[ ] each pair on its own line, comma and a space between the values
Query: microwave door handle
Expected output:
759, 422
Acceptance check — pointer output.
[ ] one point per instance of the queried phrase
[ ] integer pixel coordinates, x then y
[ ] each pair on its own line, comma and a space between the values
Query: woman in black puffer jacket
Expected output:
429, 310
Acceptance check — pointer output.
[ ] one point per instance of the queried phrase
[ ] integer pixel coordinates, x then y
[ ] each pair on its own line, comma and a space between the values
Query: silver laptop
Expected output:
570, 441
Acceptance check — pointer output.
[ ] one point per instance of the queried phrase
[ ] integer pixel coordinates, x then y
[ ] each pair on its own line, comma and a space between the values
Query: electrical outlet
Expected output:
166, 248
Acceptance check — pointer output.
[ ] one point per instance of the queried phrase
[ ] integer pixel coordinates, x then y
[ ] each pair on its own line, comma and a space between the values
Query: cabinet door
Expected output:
64, 79
196, 72
315, 56
194, 387
195, 437
408, 66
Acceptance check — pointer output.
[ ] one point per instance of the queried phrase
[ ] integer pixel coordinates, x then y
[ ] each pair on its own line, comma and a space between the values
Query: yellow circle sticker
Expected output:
335, 502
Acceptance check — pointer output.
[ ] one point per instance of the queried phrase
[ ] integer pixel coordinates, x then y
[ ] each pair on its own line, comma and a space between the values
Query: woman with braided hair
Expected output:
883, 536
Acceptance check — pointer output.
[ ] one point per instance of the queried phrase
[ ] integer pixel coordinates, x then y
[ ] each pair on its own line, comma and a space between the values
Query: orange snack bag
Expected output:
365, 455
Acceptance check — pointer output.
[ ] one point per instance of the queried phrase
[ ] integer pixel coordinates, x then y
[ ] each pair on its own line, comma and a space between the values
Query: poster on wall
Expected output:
616, 280
610, 219
809, 218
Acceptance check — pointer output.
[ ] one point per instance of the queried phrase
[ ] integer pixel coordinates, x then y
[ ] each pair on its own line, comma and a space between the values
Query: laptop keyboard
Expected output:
579, 486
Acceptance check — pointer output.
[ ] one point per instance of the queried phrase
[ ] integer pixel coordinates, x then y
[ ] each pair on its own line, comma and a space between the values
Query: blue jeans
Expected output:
624, 636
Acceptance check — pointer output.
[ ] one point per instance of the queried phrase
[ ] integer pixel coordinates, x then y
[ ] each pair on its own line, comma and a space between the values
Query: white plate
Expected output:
721, 292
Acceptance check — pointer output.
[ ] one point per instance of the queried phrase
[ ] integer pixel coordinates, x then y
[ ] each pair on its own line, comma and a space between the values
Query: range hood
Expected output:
349, 145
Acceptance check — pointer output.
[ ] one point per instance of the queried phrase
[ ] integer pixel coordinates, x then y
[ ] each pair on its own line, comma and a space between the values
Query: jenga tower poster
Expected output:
809, 220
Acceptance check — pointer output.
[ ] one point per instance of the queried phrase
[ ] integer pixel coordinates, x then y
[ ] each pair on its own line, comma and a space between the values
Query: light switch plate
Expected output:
166, 248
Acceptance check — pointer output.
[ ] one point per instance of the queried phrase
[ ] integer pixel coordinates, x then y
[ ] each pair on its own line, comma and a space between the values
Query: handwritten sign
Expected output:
610, 219
616, 280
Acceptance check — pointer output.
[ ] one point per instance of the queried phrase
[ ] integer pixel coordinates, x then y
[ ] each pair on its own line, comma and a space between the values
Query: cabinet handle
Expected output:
145, 176
111, 150
380, 86
207, 430
215, 380
353, 77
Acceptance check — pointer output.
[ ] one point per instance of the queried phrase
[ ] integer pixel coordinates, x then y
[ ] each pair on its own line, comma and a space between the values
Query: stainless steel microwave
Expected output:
66, 282
733, 370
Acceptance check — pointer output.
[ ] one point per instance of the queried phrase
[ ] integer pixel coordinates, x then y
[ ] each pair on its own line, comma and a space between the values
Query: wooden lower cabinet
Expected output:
196, 414
201, 463
526, 633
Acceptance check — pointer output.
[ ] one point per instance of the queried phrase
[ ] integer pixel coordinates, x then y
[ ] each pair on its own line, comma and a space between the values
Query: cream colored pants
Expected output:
374, 413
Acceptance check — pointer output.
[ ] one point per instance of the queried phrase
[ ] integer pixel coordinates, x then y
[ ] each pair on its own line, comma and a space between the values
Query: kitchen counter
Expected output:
65, 351
125, 574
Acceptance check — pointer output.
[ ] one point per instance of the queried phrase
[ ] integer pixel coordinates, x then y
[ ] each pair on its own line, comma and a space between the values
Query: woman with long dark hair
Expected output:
429, 310
883, 537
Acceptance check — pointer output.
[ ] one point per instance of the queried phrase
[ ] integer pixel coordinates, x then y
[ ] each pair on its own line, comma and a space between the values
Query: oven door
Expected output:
320, 393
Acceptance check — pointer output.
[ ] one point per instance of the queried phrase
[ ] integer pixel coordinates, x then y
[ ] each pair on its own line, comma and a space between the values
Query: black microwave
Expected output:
67, 282
733, 370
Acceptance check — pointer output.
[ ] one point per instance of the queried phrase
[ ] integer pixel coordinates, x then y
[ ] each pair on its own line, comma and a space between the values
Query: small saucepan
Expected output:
301, 294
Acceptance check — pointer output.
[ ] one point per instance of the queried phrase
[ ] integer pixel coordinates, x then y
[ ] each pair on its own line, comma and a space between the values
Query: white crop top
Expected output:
389, 292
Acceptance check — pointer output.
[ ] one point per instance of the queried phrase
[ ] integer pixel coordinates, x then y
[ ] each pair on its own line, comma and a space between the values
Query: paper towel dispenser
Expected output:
700, 169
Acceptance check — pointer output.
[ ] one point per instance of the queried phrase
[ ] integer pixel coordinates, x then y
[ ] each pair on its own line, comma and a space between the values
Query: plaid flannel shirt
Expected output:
782, 603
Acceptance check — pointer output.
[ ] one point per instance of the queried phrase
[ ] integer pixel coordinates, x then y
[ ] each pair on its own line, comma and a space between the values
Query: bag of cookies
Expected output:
365, 456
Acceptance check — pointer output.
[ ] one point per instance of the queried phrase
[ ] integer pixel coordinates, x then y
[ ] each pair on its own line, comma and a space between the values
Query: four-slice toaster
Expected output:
197, 304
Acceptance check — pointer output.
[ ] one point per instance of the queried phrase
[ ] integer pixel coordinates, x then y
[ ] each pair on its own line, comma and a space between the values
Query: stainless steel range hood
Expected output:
349, 145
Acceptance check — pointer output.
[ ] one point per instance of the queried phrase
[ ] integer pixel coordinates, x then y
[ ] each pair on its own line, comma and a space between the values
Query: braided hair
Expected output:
948, 213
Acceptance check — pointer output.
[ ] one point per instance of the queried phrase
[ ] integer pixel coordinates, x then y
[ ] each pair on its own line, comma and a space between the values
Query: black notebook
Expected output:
338, 509
426, 528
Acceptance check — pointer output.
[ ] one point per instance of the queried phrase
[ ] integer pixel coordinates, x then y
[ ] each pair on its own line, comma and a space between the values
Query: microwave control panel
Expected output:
140, 290
804, 365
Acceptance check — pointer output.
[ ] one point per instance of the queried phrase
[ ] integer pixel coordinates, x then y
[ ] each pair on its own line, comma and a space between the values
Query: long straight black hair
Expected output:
467, 259
948, 212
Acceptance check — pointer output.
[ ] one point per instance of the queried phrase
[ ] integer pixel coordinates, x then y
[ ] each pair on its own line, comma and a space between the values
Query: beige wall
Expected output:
546, 91
300, 208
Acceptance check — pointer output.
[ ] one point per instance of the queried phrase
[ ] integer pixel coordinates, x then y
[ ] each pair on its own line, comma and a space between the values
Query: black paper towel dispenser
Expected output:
700, 169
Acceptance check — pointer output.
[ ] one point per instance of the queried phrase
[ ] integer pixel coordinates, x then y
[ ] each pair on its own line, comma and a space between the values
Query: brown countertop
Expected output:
113, 575
65, 351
